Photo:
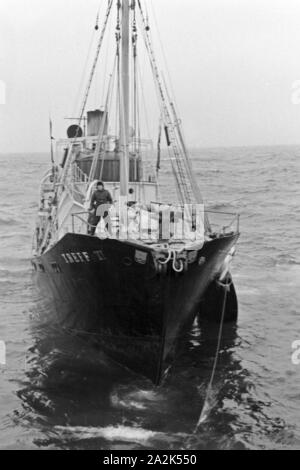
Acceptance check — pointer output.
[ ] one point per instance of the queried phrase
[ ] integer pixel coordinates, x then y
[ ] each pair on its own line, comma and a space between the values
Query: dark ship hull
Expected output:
112, 292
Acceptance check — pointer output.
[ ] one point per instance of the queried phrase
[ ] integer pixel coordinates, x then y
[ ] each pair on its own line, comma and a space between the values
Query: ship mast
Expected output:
124, 101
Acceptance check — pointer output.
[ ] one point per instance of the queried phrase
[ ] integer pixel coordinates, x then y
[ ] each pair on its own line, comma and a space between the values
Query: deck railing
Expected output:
78, 216
225, 221
227, 224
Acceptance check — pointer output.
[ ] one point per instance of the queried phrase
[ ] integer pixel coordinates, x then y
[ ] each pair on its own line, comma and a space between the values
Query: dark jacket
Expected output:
100, 197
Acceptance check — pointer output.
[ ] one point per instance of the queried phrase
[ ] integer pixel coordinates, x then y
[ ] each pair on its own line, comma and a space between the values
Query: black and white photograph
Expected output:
149, 227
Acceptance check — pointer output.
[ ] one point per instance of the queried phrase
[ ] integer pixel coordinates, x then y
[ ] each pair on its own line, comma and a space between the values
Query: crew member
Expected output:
101, 197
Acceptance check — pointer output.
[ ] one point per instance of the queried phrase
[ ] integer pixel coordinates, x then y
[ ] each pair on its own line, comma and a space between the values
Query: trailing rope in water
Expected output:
205, 407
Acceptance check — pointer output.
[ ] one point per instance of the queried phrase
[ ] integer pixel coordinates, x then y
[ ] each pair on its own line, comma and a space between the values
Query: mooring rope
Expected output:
172, 253
205, 407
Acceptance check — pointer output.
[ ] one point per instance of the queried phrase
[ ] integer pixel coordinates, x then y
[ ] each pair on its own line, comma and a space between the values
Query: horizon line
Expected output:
191, 147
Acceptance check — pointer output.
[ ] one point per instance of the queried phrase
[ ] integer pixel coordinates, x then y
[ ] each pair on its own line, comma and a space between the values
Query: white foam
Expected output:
116, 433
110, 433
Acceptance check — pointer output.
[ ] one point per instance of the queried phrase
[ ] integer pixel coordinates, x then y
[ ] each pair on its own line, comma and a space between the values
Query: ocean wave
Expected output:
15, 272
222, 205
287, 259
8, 221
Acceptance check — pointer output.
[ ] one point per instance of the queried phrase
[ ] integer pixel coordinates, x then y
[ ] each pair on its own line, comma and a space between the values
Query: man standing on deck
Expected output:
100, 201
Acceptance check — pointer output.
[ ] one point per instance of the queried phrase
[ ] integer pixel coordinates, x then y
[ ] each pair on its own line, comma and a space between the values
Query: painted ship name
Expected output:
83, 257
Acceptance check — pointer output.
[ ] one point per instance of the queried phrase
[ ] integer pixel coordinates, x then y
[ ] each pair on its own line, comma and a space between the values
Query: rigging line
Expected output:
153, 64
109, 105
174, 106
185, 152
68, 160
144, 100
86, 61
158, 95
157, 92
163, 53
158, 160
138, 114
144, 104
98, 150
124, 149
97, 18
181, 144
176, 177
136, 143
118, 92
83, 73
117, 117
107, 15
106, 63
166, 112
147, 15
51, 142
188, 181
134, 54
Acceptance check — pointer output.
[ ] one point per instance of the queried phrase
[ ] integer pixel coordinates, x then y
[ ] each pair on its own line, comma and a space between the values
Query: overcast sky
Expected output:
232, 62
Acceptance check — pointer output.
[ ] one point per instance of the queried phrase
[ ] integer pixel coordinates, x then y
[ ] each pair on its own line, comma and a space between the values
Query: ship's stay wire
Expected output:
143, 100
118, 87
83, 74
158, 91
104, 75
188, 188
109, 100
98, 150
83, 106
164, 56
